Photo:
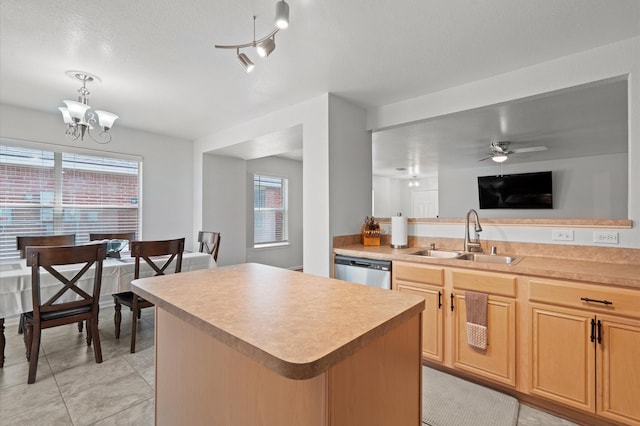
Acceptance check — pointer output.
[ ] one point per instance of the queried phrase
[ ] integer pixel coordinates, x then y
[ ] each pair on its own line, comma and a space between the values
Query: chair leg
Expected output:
89, 333
28, 339
2, 342
117, 318
97, 348
79, 326
21, 324
134, 323
35, 352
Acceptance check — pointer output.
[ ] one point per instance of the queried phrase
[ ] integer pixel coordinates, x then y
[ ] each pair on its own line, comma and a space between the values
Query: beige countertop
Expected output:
296, 324
616, 274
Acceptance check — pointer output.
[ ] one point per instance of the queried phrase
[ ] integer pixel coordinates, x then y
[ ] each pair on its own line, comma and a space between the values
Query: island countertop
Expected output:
296, 324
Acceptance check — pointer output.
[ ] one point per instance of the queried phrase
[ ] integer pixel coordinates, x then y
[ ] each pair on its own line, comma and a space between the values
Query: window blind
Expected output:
49, 192
270, 210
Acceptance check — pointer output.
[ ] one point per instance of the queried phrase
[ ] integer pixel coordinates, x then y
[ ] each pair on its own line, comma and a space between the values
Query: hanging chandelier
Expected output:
265, 45
80, 117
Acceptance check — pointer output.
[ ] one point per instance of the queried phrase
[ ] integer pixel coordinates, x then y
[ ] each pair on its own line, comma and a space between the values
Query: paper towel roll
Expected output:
398, 231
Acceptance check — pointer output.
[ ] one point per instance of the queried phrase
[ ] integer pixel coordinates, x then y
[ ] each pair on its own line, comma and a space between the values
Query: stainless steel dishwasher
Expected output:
376, 273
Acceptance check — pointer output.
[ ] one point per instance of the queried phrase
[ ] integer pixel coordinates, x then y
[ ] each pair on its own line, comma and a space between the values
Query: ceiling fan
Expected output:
500, 151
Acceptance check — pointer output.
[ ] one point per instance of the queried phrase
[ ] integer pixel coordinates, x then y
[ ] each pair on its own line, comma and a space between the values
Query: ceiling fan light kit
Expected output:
499, 158
79, 116
265, 45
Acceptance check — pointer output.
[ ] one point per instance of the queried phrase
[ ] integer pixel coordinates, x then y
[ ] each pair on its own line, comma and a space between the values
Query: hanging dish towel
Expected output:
476, 309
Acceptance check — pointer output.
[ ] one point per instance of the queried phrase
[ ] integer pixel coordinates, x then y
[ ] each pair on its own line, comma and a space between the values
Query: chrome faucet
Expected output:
469, 244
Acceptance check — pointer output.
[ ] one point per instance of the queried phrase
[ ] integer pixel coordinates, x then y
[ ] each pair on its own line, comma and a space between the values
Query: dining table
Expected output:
117, 274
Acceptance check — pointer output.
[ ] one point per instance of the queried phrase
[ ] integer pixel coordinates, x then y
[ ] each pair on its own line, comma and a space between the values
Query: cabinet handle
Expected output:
593, 330
439, 299
451, 302
599, 332
604, 302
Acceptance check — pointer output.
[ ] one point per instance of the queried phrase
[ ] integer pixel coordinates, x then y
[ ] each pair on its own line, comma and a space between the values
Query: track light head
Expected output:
265, 48
282, 15
245, 62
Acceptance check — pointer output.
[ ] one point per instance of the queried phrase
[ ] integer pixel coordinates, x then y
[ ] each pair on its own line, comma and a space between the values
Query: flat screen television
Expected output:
516, 191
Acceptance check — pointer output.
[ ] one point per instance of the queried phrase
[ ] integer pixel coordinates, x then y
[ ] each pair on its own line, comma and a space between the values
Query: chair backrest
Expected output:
129, 236
146, 249
48, 257
209, 241
43, 240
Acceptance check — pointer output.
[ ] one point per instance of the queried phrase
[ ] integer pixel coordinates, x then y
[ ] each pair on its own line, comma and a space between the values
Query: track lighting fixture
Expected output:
265, 45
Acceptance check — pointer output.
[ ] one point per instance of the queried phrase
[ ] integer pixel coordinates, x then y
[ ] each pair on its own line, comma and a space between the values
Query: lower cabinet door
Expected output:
498, 361
618, 355
563, 356
432, 317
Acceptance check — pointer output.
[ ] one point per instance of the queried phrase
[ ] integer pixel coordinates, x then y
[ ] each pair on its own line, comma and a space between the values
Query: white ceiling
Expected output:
162, 74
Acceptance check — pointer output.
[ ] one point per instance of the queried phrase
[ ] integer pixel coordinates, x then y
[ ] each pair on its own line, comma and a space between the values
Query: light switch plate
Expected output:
605, 237
562, 235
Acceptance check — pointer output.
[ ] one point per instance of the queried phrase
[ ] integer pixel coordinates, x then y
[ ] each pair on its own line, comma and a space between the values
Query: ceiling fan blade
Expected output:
528, 149
485, 158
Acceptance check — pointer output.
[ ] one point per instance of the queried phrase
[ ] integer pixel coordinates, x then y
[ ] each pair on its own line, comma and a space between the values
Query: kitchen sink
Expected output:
487, 258
443, 254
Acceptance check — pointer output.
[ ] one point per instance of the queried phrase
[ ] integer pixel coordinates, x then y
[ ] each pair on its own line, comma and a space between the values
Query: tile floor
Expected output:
71, 389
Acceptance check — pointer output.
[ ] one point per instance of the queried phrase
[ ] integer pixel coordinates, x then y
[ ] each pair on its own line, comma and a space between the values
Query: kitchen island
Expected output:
254, 344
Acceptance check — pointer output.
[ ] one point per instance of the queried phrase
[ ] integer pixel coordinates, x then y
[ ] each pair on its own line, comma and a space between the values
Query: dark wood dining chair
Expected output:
209, 242
42, 240
71, 304
145, 250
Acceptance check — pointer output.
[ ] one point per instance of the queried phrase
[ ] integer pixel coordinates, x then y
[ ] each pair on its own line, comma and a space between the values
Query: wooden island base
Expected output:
200, 380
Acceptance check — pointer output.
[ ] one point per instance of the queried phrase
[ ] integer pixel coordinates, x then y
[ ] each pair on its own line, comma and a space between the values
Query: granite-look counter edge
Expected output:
615, 274
296, 324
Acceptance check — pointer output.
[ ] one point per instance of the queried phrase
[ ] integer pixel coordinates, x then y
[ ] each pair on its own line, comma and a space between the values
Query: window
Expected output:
270, 211
46, 191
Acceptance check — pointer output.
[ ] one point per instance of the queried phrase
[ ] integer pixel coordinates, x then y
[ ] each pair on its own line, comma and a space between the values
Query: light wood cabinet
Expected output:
444, 327
562, 356
498, 361
585, 354
617, 371
425, 281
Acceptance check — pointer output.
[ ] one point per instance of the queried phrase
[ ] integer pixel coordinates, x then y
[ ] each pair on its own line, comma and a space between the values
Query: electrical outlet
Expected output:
562, 235
606, 237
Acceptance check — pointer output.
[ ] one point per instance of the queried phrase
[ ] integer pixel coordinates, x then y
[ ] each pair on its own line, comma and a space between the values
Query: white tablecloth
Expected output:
117, 274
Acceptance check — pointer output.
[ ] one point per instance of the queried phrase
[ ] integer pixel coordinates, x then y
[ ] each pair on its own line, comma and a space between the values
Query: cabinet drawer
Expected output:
486, 282
565, 293
418, 273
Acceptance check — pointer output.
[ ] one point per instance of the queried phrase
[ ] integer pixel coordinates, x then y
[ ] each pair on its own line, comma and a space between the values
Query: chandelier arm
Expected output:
250, 44
105, 137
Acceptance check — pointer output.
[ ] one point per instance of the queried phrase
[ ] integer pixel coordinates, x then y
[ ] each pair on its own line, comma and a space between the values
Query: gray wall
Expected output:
349, 167
223, 198
583, 188
284, 256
